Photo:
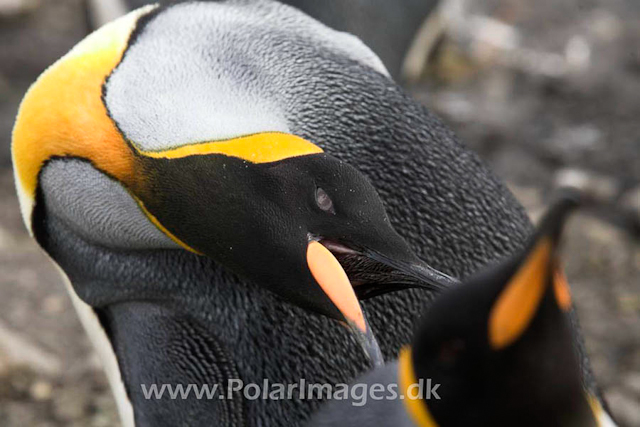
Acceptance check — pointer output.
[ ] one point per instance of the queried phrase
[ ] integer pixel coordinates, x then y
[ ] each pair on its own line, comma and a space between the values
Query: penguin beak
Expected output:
347, 275
333, 280
403, 275
373, 273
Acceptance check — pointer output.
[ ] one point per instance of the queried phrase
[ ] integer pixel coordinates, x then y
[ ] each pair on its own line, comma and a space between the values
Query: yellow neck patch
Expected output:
62, 114
258, 148
417, 408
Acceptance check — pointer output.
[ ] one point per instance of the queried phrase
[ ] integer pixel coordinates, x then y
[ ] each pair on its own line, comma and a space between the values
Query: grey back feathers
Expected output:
387, 27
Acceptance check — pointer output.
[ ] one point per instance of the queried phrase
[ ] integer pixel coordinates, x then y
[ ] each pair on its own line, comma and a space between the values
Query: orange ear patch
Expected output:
518, 302
333, 280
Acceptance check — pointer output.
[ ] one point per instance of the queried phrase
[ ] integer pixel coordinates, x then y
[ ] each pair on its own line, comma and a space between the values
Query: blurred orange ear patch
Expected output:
518, 302
561, 290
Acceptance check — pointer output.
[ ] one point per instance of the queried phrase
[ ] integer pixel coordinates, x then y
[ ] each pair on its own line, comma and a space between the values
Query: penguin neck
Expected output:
174, 317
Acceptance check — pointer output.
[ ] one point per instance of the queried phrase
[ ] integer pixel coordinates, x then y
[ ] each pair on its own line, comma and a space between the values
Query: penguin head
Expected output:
222, 177
284, 224
501, 345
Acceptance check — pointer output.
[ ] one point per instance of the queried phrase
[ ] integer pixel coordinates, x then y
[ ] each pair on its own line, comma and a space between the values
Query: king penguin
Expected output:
496, 351
218, 182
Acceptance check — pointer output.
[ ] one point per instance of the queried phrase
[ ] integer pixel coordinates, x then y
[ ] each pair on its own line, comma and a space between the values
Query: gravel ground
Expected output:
534, 127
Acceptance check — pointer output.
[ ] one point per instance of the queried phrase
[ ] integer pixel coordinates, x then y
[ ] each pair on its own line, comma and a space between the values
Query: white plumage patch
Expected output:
103, 347
208, 71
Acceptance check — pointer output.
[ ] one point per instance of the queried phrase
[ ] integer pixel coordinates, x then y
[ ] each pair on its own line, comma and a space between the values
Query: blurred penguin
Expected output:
496, 351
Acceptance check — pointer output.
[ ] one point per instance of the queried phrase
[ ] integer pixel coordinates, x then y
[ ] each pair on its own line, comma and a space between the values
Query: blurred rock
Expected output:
6, 239
54, 304
70, 404
601, 189
604, 25
630, 202
41, 390
625, 408
18, 350
105, 410
632, 382
15, 413
602, 272
530, 197
578, 54
15, 384
568, 76
570, 143
10, 8
31, 41
103, 11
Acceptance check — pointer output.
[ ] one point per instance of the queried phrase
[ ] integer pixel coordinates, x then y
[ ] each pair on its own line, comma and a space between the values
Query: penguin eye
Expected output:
324, 201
